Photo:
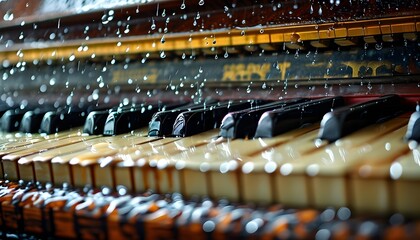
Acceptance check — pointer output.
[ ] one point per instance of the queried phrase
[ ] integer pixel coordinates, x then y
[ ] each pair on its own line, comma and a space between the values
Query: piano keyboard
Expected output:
371, 170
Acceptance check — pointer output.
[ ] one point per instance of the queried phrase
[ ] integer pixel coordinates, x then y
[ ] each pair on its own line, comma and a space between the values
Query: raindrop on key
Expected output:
8, 16
201, 2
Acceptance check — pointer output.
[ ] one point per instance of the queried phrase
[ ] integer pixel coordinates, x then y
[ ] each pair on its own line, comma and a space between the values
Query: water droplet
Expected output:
162, 40
162, 54
201, 2
243, 33
72, 57
311, 10
183, 56
8, 16
378, 46
183, 5
43, 88
226, 55
153, 26
320, 11
261, 30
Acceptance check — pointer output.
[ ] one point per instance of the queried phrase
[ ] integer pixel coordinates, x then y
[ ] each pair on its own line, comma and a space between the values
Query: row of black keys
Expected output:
236, 119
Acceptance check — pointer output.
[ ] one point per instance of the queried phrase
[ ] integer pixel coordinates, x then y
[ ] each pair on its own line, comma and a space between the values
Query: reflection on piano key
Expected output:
128, 118
31, 120
278, 121
56, 121
162, 122
10, 120
322, 174
243, 124
405, 173
413, 129
346, 120
201, 120
95, 122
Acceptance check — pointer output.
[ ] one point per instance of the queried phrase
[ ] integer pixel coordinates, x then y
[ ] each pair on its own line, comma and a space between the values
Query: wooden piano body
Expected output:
102, 53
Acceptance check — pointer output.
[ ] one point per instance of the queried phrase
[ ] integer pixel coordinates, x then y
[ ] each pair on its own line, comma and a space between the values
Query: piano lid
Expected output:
54, 30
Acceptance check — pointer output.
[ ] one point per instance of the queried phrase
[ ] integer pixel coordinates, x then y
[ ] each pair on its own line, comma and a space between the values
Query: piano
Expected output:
164, 119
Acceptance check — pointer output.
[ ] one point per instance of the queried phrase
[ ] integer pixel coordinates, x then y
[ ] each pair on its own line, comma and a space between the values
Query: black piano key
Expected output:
201, 120
413, 128
95, 122
275, 122
243, 124
343, 121
56, 121
126, 119
4, 107
162, 122
10, 120
31, 120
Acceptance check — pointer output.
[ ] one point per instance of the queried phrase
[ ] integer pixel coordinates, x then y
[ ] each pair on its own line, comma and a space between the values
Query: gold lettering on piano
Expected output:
283, 68
148, 75
244, 72
366, 68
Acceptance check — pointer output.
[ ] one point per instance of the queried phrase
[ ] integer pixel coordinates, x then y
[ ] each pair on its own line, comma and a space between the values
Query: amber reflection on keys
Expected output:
214, 169
291, 166
404, 176
11, 155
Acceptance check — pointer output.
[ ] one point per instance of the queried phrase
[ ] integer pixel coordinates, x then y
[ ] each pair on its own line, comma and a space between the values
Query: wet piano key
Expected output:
405, 173
413, 129
370, 173
243, 124
281, 120
10, 120
96, 119
128, 118
31, 120
346, 120
95, 122
201, 120
162, 122
4, 107
320, 176
55, 121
